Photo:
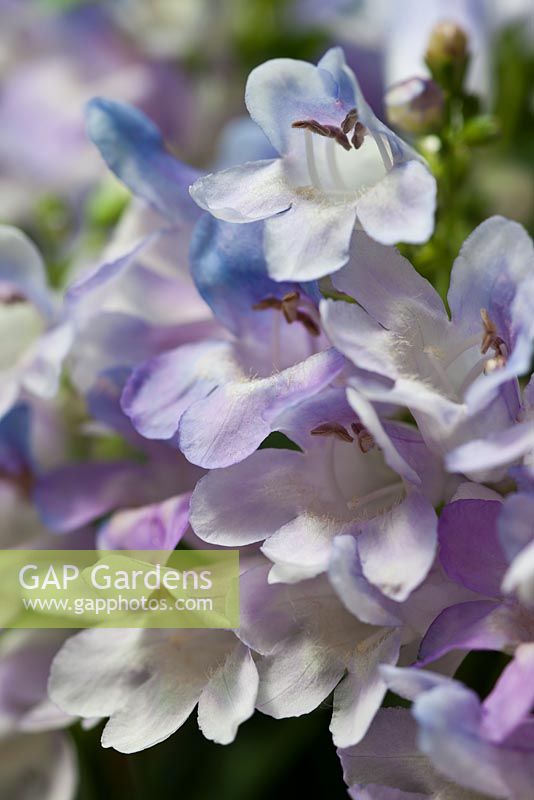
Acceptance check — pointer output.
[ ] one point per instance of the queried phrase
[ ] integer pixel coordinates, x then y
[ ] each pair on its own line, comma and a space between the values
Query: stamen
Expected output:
338, 135
350, 120
388, 164
358, 135
490, 331
310, 161
472, 375
332, 429
288, 305
455, 353
311, 125
440, 370
495, 363
365, 439
359, 502
10, 296
333, 167
329, 131
309, 323
268, 302
491, 340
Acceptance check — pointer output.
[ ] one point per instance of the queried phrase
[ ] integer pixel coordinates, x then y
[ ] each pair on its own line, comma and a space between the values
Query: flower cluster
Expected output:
285, 382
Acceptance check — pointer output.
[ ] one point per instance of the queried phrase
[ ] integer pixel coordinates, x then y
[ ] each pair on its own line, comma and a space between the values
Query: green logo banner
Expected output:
119, 589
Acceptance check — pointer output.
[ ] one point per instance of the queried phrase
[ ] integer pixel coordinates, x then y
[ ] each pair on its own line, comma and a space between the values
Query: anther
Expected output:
338, 135
491, 340
329, 131
365, 440
10, 297
358, 135
311, 326
312, 125
350, 120
288, 305
332, 429
495, 363
268, 302
490, 331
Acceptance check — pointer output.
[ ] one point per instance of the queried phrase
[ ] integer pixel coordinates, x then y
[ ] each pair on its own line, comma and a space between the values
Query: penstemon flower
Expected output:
35, 340
340, 485
338, 164
457, 376
485, 747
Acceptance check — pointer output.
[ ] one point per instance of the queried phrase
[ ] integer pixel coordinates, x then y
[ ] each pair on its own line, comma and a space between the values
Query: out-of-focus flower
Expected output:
408, 36
56, 63
38, 765
75, 494
138, 301
34, 760
473, 556
34, 339
415, 105
25, 658
485, 746
388, 765
165, 28
338, 163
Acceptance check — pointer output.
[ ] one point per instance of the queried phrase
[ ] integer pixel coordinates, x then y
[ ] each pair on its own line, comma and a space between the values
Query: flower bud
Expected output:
447, 54
415, 105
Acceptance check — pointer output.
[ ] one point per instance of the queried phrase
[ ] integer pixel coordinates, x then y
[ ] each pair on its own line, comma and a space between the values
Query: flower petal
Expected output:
476, 625
230, 273
229, 698
297, 678
493, 262
235, 418
397, 548
71, 496
511, 700
159, 526
322, 245
400, 208
383, 282
358, 696
353, 589
22, 269
247, 193
282, 91
389, 756
470, 550
496, 450
159, 391
133, 148
268, 487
